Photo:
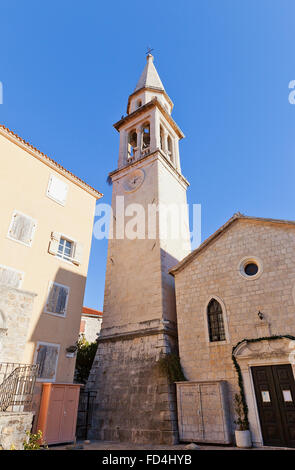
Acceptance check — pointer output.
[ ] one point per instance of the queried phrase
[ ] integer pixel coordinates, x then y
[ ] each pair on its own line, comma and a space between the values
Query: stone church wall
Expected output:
215, 272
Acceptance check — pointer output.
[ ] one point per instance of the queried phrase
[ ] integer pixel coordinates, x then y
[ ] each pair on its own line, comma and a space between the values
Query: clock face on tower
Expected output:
133, 181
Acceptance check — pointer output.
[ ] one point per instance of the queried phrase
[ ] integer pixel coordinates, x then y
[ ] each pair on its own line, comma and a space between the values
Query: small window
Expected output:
65, 249
132, 144
215, 321
57, 190
162, 138
146, 137
169, 145
22, 228
10, 277
46, 356
57, 300
139, 103
250, 268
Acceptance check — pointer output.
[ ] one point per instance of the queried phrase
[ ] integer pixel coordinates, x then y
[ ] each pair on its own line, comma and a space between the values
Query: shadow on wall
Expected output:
57, 330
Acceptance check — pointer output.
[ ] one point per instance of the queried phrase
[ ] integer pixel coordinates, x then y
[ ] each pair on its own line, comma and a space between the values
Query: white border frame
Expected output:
51, 283
225, 322
16, 212
38, 379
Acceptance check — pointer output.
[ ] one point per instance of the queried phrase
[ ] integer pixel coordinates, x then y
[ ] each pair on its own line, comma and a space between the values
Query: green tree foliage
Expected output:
85, 355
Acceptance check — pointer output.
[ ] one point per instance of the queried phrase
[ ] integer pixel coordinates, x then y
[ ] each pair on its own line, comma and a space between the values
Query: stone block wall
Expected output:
15, 312
135, 402
13, 427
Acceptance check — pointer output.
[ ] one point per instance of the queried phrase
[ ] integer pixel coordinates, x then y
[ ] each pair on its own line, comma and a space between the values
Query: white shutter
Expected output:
10, 277
22, 228
78, 253
54, 243
57, 190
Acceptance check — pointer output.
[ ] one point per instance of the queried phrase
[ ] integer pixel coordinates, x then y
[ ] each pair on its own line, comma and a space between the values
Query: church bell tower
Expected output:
135, 401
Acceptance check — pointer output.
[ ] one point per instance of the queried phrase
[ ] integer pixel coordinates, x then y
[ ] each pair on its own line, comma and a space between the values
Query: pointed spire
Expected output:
149, 76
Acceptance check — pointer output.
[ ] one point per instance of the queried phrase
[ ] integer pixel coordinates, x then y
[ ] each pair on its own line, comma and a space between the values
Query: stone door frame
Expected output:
262, 353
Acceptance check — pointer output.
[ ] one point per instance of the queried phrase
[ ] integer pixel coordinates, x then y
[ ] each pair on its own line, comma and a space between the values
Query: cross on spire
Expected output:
149, 50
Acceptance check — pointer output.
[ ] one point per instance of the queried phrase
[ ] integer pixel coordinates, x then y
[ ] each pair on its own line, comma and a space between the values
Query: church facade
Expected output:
236, 313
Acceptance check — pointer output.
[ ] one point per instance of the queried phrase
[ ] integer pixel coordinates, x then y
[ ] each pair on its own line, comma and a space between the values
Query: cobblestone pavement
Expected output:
105, 445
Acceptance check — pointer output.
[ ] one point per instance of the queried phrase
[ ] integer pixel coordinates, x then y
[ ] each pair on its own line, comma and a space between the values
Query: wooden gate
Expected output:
203, 412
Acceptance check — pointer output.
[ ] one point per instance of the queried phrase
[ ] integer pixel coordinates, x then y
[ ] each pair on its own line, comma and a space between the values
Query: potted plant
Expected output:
242, 433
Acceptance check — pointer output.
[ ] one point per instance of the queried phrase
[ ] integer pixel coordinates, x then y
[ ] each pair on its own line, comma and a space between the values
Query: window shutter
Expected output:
52, 299
22, 228
10, 277
47, 360
78, 254
57, 189
62, 300
54, 242
57, 299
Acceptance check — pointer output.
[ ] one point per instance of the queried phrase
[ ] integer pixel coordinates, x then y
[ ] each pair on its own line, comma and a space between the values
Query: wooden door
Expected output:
55, 414
69, 414
275, 396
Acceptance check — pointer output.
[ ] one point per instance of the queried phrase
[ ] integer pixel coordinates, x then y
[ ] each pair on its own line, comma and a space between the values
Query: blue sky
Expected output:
68, 67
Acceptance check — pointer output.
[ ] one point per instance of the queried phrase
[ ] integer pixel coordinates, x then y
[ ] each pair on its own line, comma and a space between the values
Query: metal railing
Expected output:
16, 390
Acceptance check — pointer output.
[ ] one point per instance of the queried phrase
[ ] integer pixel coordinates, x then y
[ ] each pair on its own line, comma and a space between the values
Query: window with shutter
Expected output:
22, 228
57, 190
65, 249
46, 356
10, 277
57, 299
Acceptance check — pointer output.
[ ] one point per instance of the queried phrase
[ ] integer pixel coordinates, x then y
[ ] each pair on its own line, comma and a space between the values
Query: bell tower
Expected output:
135, 401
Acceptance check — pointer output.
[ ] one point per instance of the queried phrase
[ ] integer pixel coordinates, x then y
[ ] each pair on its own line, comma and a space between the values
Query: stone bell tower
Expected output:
134, 400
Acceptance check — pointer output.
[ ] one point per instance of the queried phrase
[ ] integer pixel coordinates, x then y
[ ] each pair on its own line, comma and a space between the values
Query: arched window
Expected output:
132, 144
138, 103
215, 321
169, 145
146, 137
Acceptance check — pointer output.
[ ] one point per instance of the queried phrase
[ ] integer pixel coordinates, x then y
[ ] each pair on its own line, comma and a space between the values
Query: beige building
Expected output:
235, 295
45, 237
90, 325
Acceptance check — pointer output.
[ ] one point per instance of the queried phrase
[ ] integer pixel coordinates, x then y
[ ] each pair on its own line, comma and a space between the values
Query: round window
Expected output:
251, 269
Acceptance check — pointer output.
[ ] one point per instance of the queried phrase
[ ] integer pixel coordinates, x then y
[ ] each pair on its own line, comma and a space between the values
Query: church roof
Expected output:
220, 231
149, 77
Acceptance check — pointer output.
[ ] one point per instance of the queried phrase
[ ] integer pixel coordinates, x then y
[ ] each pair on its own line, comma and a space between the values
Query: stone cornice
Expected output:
151, 156
138, 333
158, 90
151, 104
